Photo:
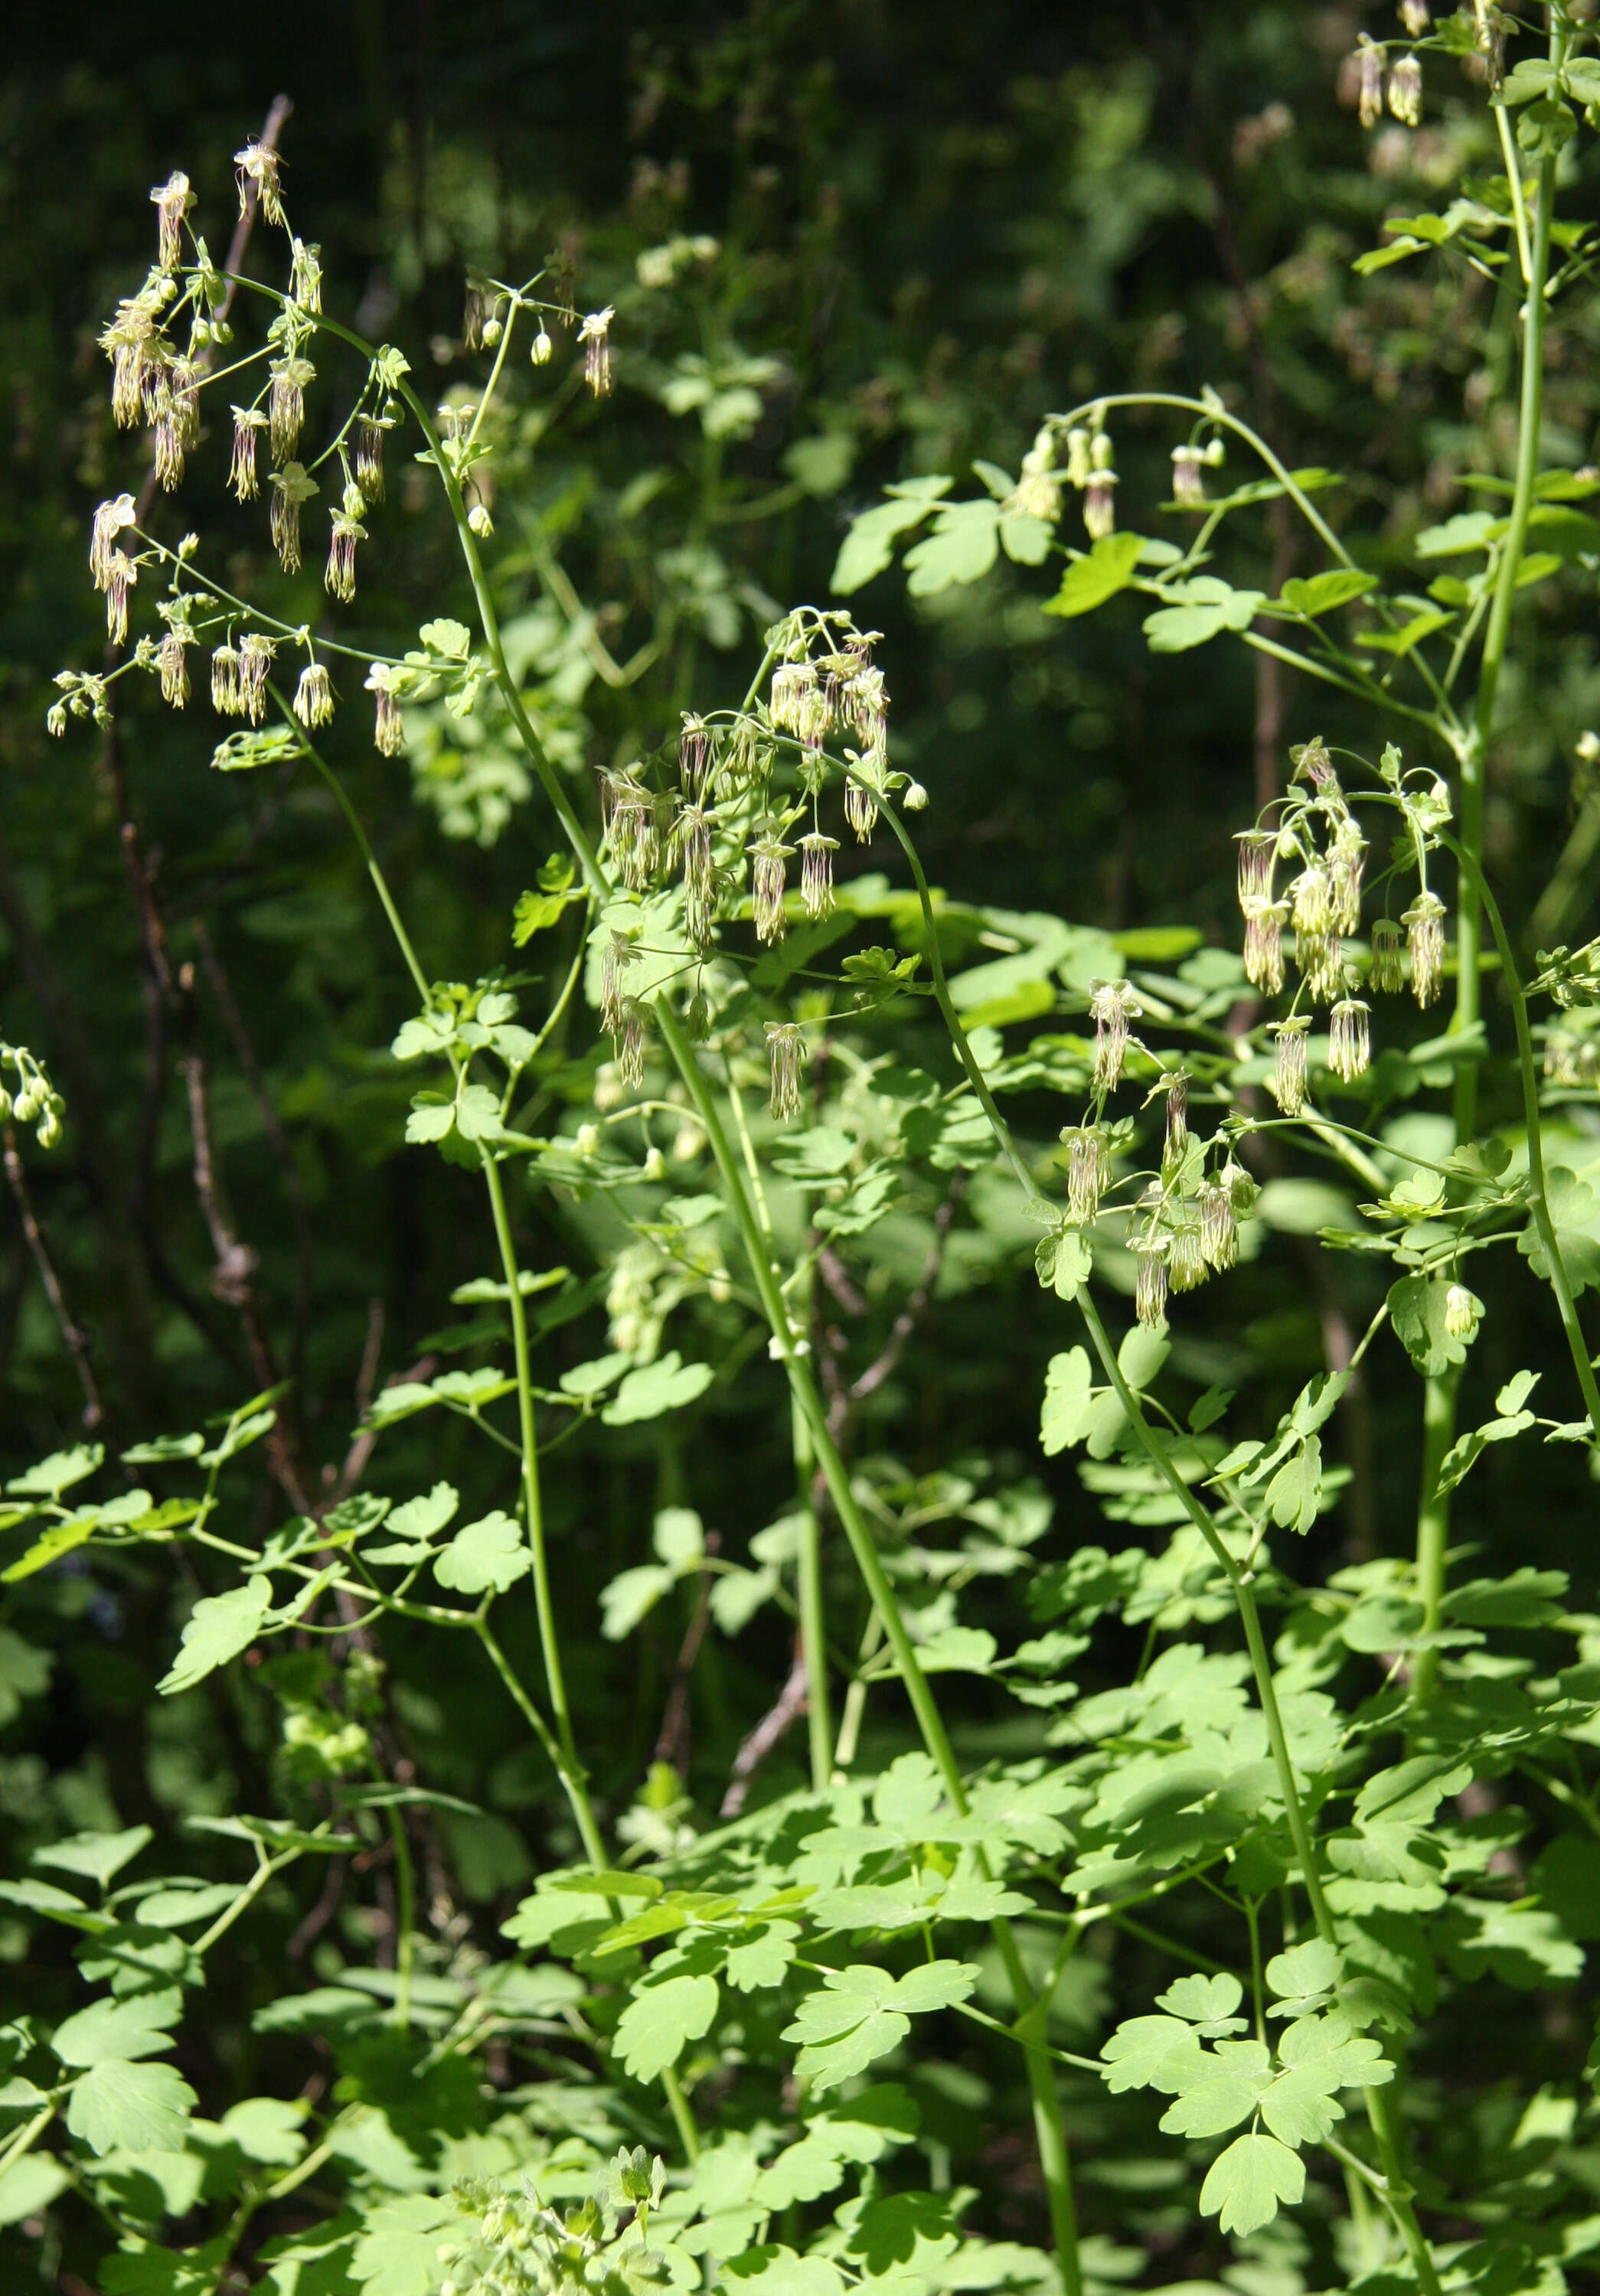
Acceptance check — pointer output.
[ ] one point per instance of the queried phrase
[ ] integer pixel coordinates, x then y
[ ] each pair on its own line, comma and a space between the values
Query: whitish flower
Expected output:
1388, 972
1320, 956
784, 1045
225, 680
631, 828
1188, 481
693, 747
1150, 1290
1413, 16
1425, 935
1264, 922
340, 577
110, 520
173, 660
1037, 491
1369, 81
1288, 1077
1346, 860
594, 335
314, 696
287, 403
305, 276
256, 167
1312, 760
1088, 1170
132, 342
629, 1044
1257, 848
864, 702
1100, 506
291, 489
248, 423
791, 681
1309, 902
120, 577
1219, 1226
768, 855
692, 834
541, 347
255, 662
1188, 1266
1462, 1312
173, 200
369, 455
1176, 1140
1349, 1039
1111, 1005
1406, 91
616, 958
477, 310
860, 809
816, 874
389, 726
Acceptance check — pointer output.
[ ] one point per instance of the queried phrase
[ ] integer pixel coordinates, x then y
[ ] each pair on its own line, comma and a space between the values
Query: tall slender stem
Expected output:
1433, 1517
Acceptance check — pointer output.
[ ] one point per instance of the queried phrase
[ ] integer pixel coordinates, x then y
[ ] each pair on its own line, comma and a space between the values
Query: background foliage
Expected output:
900, 237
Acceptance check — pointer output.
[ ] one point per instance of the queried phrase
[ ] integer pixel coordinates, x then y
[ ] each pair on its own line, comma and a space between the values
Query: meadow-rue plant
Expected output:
742, 2049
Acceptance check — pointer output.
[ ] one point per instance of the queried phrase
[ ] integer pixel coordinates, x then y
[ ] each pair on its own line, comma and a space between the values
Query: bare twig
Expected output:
72, 1332
911, 1314
672, 1739
272, 1123
779, 1717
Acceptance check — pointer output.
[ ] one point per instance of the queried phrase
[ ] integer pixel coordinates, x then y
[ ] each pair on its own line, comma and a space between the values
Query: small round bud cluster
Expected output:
1037, 491
32, 1099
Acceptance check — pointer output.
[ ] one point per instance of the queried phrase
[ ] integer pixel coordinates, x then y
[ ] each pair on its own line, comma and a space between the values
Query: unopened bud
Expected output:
1462, 1313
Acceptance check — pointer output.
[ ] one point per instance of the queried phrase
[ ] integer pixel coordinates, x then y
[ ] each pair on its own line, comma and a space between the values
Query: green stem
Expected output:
1433, 1520
688, 2134
404, 1917
1539, 1202
812, 1625
593, 1847
571, 1769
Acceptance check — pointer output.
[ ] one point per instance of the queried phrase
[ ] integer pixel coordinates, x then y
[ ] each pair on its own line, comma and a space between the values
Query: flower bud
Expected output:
1462, 1313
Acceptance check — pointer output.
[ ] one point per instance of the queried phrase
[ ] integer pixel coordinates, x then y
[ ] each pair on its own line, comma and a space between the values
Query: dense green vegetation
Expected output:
798, 1423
